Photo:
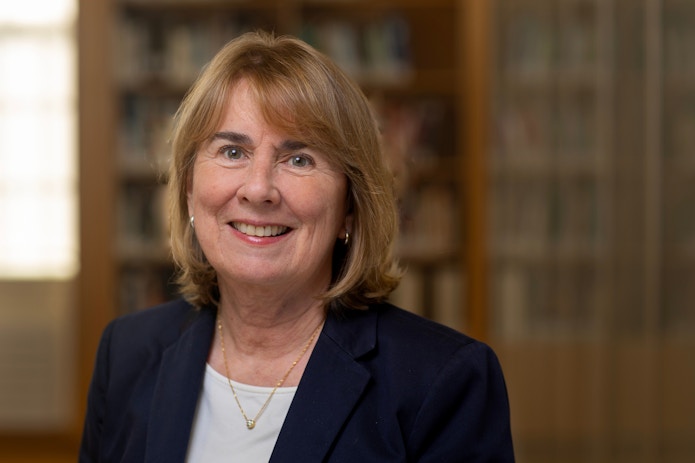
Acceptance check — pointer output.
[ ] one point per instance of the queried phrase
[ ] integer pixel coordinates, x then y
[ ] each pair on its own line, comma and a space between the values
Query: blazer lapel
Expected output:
176, 392
330, 387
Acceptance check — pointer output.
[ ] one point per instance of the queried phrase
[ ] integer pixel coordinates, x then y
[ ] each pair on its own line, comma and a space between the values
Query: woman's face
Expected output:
268, 209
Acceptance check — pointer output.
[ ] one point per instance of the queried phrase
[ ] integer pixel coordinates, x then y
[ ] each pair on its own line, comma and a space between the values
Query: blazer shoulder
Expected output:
152, 328
387, 335
135, 352
428, 347
412, 329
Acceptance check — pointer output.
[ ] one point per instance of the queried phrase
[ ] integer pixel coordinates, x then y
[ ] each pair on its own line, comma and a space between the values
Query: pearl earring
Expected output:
347, 238
192, 222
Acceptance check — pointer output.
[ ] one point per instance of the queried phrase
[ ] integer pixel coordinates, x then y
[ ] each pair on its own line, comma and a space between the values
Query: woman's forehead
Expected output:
280, 110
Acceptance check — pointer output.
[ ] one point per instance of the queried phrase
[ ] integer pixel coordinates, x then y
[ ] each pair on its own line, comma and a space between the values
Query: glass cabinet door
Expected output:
591, 187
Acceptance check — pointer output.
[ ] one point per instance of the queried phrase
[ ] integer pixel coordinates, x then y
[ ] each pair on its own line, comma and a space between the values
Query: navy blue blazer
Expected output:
381, 385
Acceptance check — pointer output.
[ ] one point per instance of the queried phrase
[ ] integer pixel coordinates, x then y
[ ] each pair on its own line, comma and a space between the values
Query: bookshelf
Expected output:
590, 183
389, 49
549, 169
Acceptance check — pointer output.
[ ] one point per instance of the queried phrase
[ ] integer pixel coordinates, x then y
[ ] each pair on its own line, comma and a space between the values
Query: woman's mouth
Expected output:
259, 231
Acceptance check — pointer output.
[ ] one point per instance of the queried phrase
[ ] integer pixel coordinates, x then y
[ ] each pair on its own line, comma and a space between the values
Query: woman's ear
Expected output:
348, 226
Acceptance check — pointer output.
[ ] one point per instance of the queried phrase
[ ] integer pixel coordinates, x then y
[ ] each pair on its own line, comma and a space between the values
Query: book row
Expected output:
171, 49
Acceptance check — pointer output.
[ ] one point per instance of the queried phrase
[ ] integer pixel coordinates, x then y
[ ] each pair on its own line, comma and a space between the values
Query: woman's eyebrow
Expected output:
233, 137
292, 145
243, 139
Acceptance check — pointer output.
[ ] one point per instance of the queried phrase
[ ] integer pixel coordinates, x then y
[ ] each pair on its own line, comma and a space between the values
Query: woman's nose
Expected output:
259, 184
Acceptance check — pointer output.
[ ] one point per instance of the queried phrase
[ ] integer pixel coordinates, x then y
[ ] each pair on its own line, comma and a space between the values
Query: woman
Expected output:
283, 349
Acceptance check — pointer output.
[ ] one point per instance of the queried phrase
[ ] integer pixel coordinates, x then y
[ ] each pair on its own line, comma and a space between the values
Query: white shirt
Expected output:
219, 430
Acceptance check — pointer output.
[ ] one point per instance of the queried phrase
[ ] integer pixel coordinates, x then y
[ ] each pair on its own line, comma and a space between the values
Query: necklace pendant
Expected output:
250, 424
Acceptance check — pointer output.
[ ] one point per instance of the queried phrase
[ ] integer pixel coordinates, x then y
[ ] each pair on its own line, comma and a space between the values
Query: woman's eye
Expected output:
231, 152
300, 161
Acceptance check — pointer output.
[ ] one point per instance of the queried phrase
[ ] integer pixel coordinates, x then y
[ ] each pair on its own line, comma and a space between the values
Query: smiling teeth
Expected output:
268, 230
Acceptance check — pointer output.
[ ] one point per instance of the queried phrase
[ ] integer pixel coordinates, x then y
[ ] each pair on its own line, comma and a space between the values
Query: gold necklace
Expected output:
251, 422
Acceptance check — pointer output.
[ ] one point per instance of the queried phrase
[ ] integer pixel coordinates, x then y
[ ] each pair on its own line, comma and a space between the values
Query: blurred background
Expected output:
544, 152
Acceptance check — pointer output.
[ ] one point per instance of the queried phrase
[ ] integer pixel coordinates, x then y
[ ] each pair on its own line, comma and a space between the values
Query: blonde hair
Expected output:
303, 93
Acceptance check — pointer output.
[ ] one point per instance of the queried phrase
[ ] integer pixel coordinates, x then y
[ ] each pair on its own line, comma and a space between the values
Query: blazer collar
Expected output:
331, 385
177, 389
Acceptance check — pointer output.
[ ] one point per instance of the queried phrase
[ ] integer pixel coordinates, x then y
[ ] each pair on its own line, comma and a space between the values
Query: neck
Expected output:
263, 337
255, 318
257, 329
